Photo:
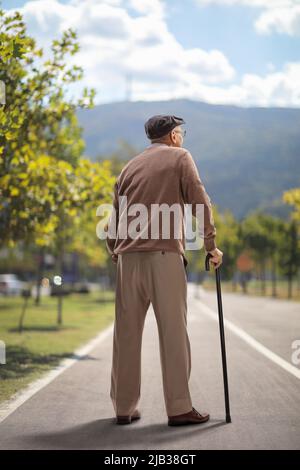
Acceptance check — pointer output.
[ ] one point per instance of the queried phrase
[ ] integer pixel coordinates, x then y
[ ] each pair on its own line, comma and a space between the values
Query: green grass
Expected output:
254, 288
43, 344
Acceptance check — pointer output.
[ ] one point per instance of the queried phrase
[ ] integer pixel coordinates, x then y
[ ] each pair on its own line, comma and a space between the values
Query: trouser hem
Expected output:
180, 406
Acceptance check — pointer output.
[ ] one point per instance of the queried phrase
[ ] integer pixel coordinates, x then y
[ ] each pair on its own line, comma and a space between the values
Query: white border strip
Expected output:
251, 341
9, 406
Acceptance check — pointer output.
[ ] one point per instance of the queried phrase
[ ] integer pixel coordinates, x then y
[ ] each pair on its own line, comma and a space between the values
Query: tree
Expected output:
292, 197
256, 237
47, 188
290, 253
37, 123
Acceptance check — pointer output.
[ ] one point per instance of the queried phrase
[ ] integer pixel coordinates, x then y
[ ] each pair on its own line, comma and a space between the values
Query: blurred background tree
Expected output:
49, 191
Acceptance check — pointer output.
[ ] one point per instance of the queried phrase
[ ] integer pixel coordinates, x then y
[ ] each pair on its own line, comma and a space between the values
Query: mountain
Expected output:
246, 157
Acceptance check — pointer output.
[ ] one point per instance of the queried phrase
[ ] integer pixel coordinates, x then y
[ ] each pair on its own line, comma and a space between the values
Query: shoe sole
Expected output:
127, 420
184, 423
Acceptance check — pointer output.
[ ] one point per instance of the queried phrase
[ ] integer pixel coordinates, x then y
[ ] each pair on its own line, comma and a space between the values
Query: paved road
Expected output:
74, 411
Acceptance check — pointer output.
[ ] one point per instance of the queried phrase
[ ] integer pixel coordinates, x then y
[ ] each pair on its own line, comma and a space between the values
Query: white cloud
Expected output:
280, 16
284, 20
115, 44
274, 89
255, 3
148, 7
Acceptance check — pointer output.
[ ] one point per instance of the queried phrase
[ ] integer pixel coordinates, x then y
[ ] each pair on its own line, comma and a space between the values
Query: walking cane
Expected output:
222, 336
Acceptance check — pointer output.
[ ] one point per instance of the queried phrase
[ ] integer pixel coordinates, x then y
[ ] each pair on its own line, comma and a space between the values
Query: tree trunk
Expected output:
21, 321
59, 308
274, 279
290, 286
40, 275
263, 278
61, 287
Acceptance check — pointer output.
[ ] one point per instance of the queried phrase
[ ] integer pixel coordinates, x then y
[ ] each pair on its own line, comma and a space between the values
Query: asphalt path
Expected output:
74, 410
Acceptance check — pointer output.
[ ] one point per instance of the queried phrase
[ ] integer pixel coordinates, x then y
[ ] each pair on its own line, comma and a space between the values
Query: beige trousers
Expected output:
158, 277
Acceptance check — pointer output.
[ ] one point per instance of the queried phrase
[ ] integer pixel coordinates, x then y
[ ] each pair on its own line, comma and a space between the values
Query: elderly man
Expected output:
152, 269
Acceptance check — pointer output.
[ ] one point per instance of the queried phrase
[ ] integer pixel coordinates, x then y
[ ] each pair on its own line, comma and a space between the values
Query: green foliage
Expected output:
292, 197
46, 185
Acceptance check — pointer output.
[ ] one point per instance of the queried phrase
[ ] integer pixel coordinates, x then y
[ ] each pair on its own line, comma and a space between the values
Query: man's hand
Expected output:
216, 260
114, 258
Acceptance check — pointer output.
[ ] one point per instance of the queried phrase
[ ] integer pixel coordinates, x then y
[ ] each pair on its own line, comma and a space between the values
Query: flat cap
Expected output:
159, 125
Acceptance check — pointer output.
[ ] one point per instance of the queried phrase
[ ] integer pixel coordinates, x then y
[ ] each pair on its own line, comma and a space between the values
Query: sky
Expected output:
240, 52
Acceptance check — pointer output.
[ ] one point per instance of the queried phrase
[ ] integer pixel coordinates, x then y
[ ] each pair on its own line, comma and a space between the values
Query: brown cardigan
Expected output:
161, 174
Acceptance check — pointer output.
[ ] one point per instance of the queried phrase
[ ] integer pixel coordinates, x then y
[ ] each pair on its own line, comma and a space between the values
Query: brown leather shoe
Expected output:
128, 419
192, 417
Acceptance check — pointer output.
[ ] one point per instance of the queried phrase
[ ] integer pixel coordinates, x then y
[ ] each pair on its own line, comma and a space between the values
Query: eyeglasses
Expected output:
183, 134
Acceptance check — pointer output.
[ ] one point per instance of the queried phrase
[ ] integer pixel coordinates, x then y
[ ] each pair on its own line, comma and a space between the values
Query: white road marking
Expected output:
251, 341
9, 406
